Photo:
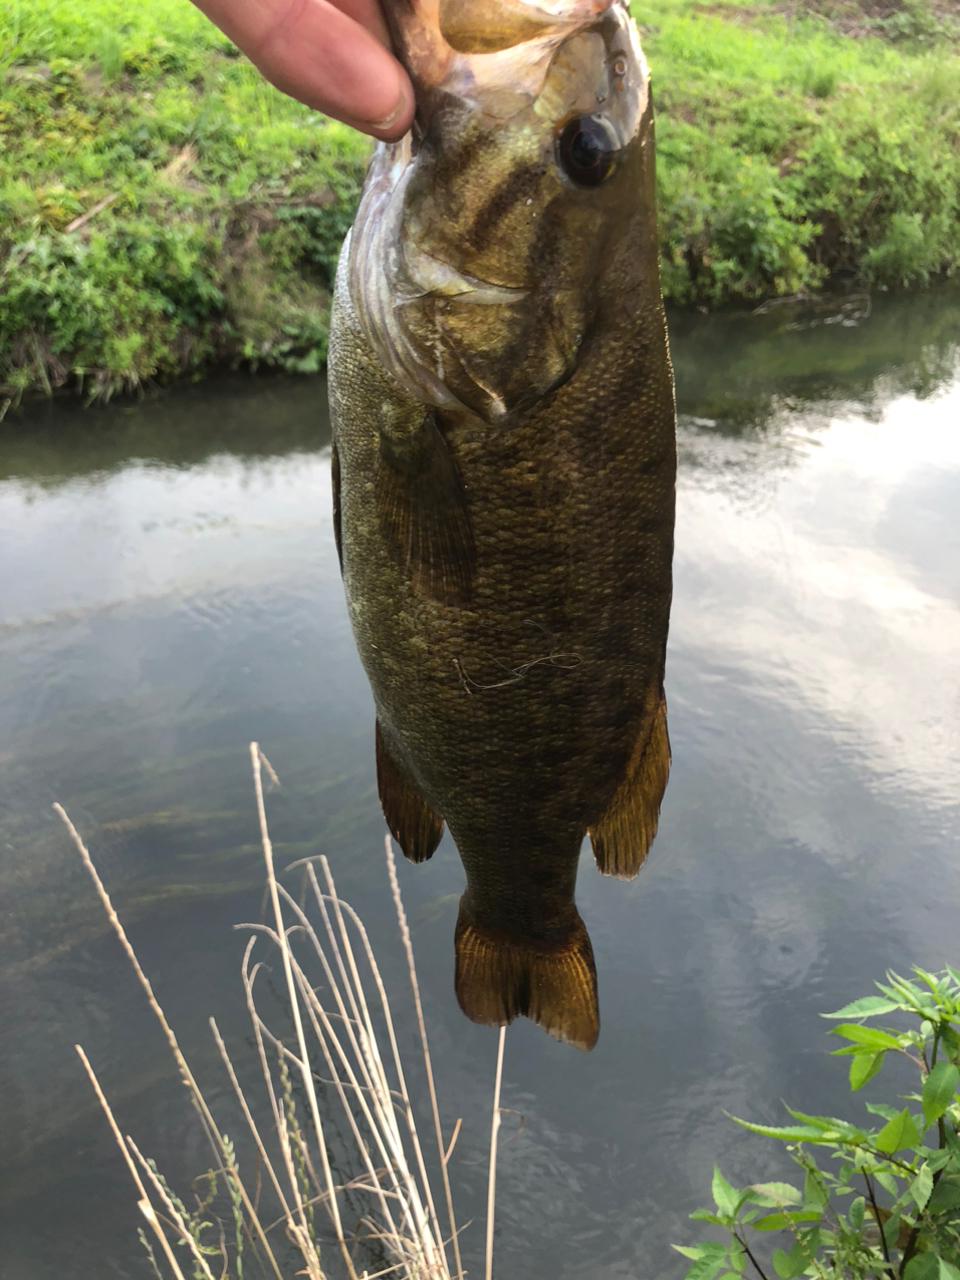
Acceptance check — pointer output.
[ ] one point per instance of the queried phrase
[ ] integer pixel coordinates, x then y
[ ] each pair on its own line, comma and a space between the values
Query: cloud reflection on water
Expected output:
819, 596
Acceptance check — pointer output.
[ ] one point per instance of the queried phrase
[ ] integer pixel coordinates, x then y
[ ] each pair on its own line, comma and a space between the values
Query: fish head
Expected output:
487, 240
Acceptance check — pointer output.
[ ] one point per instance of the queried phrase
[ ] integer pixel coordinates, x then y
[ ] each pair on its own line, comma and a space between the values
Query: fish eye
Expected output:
586, 151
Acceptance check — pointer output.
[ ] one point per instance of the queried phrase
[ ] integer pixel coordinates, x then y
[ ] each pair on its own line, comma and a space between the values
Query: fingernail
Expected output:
398, 111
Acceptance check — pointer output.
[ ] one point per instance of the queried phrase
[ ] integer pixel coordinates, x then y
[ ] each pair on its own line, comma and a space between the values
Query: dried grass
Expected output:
352, 1033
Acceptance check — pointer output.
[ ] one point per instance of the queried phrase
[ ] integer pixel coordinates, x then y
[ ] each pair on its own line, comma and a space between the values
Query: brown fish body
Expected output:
505, 515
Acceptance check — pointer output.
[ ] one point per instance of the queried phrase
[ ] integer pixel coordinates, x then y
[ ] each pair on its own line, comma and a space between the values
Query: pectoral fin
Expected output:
499, 979
422, 509
623, 836
413, 824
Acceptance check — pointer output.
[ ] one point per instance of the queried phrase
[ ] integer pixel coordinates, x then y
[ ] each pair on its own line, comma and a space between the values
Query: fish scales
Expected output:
507, 538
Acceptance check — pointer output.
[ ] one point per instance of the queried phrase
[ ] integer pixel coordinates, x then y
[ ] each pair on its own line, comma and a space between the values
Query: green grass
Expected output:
791, 156
228, 200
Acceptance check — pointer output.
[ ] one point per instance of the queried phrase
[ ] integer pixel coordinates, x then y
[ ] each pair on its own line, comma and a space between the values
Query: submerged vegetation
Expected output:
163, 209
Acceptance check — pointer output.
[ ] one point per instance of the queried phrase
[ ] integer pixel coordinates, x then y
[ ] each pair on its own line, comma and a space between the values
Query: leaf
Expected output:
863, 1067
815, 1194
725, 1197
865, 1008
909, 991
948, 1271
856, 1212
898, 1134
774, 1193
788, 1133
921, 1186
782, 1266
870, 1036
881, 1109
939, 1089
839, 1130
794, 1263
945, 1198
784, 1221
925, 1266
704, 1215
700, 1252
938, 1160
708, 1259
888, 1182
891, 1230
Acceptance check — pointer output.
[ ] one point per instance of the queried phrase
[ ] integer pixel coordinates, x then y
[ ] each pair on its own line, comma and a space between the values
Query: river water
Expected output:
169, 591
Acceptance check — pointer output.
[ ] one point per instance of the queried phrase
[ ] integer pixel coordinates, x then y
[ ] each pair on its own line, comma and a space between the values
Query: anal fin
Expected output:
413, 824
622, 838
499, 979
422, 509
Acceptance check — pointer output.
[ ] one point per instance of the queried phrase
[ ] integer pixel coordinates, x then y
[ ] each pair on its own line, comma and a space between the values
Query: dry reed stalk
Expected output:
412, 969
171, 1208
370, 1087
209, 1125
306, 1073
492, 1176
144, 1205
356, 1064
339, 908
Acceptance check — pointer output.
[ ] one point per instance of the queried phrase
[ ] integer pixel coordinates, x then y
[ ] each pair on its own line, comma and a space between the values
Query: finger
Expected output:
368, 14
317, 53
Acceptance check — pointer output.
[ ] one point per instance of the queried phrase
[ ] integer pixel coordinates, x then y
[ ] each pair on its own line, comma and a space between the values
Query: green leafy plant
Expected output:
889, 1203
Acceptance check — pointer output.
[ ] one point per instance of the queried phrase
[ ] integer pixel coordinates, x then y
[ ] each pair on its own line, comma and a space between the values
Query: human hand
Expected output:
334, 55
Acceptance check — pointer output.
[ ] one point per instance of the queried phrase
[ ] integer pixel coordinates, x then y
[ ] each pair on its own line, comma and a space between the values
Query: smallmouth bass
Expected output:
504, 467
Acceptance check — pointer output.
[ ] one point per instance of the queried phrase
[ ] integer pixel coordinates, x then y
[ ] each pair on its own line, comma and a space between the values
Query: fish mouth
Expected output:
475, 47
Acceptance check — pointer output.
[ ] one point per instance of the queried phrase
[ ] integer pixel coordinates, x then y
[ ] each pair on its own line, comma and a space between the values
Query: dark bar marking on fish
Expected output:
520, 184
335, 488
543, 259
448, 166
622, 838
413, 824
422, 508
499, 979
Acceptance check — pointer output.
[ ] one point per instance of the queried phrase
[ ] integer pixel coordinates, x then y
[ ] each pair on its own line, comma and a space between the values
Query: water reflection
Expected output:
746, 374
161, 608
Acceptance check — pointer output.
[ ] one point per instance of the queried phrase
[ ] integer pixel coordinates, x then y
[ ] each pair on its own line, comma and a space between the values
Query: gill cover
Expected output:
478, 252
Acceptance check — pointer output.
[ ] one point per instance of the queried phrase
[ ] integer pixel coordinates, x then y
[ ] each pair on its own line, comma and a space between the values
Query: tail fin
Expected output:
499, 979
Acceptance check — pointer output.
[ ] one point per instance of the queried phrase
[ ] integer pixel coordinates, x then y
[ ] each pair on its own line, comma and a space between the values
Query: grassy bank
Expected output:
803, 143
162, 209
227, 201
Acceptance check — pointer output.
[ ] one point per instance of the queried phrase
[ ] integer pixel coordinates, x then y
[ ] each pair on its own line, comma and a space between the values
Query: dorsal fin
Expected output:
623, 836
